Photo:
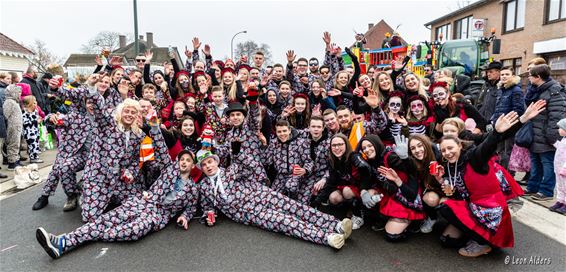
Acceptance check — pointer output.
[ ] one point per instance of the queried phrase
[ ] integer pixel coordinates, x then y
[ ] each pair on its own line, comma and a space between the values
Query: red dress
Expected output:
509, 186
485, 195
391, 206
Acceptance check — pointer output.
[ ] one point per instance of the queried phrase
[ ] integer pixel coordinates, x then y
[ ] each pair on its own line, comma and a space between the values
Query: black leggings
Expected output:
449, 215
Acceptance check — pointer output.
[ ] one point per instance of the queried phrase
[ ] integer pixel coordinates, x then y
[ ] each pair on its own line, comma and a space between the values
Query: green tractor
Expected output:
465, 58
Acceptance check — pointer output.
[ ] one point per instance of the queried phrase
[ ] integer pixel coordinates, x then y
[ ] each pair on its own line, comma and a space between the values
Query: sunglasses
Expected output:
395, 105
313, 64
324, 73
140, 60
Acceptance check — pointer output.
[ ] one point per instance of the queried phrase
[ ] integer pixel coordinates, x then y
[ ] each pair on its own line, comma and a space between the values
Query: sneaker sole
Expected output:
466, 254
70, 208
43, 237
347, 227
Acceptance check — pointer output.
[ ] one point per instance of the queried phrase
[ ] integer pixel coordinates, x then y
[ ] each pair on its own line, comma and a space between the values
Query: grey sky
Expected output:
298, 25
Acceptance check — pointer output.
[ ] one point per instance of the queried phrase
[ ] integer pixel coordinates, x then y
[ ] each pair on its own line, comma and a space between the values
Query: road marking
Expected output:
549, 223
10, 247
102, 252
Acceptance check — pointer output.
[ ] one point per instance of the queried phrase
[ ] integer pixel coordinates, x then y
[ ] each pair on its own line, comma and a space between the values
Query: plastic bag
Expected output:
26, 176
520, 160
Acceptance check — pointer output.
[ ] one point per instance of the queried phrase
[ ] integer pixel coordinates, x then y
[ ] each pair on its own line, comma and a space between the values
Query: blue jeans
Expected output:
542, 178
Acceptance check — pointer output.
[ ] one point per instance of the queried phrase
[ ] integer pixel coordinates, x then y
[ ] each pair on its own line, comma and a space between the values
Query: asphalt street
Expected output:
234, 247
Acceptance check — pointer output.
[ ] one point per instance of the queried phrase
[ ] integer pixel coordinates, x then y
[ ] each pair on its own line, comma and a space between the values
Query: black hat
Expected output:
494, 65
47, 76
236, 106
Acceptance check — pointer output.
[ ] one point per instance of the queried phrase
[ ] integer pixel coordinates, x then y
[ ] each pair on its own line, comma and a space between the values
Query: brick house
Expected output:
527, 29
14, 57
376, 33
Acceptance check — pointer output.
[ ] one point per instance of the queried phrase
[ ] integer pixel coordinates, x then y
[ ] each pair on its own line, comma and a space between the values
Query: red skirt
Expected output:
389, 206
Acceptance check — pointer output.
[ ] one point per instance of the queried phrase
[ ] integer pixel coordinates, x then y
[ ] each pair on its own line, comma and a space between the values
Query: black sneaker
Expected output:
71, 204
540, 197
12, 166
41, 202
53, 245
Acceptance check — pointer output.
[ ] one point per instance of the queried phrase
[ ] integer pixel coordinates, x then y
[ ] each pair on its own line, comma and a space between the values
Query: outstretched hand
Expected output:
505, 122
290, 56
533, 110
401, 146
196, 43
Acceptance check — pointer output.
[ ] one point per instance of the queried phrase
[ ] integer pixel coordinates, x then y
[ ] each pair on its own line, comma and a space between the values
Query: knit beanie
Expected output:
562, 124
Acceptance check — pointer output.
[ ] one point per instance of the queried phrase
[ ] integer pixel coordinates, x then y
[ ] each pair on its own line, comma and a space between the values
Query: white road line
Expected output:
549, 223
10, 247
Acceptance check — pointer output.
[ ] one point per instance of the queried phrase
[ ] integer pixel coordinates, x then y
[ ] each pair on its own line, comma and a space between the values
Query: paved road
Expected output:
234, 247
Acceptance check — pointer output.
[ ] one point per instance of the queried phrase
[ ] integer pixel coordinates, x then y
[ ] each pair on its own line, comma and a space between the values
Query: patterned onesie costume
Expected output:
31, 133
113, 152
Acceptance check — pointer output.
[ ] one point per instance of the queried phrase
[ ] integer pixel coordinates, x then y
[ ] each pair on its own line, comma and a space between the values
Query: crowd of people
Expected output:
312, 151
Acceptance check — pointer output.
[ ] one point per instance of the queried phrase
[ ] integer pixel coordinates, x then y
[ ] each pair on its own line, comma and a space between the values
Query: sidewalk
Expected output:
7, 185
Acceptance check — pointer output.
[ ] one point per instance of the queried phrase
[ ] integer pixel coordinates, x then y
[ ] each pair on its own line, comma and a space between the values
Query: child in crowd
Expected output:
31, 120
560, 170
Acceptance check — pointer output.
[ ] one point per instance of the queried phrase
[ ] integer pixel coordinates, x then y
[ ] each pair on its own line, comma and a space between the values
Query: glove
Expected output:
359, 162
253, 95
236, 145
401, 146
368, 200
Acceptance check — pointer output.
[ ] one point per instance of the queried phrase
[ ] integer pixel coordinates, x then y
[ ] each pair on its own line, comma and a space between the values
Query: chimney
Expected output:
370, 25
141, 38
122, 39
149, 36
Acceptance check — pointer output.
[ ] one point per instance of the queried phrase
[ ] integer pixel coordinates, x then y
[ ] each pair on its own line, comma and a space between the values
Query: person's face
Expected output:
268, 70
358, 117
294, 67
236, 118
417, 149
191, 102
428, 71
227, 79
492, 74
117, 76
370, 72
285, 90
342, 79
186, 163
384, 82
368, 149
103, 84
258, 60
140, 62
440, 96
89, 106
149, 93
271, 97
218, 97
338, 147
283, 133
188, 127
201, 80
315, 88
209, 166
7, 79
505, 76
350, 71
158, 79
145, 106
136, 78
395, 104
229, 64
300, 104
129, 115
302, 67
411, 82
278, 73
331, 122
183, 81
450, 150
535, 80
199, 66
344, 119
254, 73
315, 128
178, 109
417, 107
365, 81
217, 72
244, 75
325, 73
313, 66
450, 130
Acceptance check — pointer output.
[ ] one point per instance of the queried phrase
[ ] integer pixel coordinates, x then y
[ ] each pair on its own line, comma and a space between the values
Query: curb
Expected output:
9, 185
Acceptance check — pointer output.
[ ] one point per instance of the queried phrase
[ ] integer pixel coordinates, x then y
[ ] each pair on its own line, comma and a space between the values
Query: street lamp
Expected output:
232, 43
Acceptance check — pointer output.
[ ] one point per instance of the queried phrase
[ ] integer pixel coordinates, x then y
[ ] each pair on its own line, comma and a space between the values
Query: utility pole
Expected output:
136, 41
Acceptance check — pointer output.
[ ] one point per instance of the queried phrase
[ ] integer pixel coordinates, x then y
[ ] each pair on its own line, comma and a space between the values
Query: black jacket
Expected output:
488, 99
39, 95
544, 125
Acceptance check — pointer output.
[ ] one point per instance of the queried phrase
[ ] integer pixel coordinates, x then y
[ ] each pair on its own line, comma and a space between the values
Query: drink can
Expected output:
433, 168
59, 122
210, 216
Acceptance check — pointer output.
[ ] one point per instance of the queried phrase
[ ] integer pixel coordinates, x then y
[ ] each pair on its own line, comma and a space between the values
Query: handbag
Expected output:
525, 135
26, 176
520, 160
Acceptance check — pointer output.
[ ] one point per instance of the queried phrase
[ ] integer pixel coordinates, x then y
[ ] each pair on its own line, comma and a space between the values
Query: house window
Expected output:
557, 63
514, 15
555, 10
463, 28
444, 30
515, 63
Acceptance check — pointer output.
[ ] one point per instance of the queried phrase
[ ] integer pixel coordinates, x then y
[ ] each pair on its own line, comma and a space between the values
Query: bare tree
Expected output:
104, 39
43, 56
249, 48
460, 4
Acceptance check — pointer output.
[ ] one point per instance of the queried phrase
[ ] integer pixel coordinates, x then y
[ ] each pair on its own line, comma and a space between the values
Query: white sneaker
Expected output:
358, 222
427, 225
335, 240
36, 161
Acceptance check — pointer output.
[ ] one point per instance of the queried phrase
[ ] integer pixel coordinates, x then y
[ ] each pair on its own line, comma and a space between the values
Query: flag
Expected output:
356, 134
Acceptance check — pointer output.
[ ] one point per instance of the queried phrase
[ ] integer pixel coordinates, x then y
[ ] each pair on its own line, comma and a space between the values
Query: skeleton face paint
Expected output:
417, 107
395, 104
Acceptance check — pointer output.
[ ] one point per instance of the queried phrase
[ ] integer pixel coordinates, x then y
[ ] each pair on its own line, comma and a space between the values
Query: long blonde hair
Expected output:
420, 88
128, 102
232, 89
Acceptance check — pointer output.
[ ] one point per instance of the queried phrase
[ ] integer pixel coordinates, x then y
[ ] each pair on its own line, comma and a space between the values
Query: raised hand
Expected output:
148, 56
92, 79
533, 110
206, 50
115, 60
334, 92
326, 38
196, 43
264, 80
98, 60
316, 111
372, 99
188, 53
290, 56
390, 174
401, 146
505, 122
